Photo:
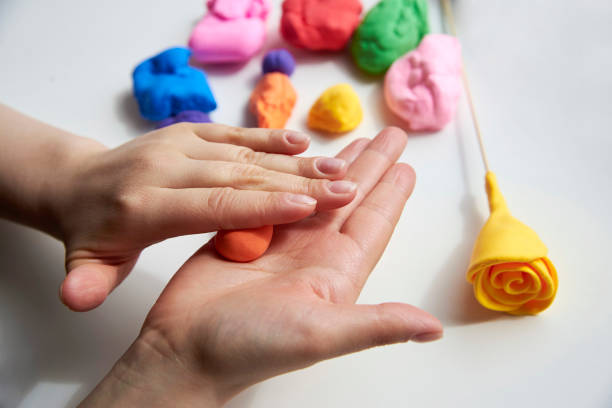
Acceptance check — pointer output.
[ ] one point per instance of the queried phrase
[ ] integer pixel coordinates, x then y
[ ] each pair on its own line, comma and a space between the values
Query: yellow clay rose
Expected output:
509, 268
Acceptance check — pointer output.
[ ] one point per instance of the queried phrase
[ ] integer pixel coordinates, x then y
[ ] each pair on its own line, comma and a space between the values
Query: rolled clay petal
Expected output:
509, 267
243, 245
424, 86
337, 110
273, 100
214, 40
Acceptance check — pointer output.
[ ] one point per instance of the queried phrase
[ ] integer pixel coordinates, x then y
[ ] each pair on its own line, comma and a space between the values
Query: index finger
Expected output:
262, 140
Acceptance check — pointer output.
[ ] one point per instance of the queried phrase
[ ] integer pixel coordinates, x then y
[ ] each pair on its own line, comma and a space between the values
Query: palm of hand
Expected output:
243, 323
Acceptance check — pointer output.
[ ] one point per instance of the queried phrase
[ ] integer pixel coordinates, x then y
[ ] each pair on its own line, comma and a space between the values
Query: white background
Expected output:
542, 79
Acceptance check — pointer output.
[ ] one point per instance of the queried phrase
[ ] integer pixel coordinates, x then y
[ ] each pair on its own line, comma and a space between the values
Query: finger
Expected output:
346, 329
261, 140
373, 221
353, 150
171, 212
197, 173
368, 168
87, 285
312, 167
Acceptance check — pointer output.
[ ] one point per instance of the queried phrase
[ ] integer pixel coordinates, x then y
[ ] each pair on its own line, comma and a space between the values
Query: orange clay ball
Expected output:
243, 245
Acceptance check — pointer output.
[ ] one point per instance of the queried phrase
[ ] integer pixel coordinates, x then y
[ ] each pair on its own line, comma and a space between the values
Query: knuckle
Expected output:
306, 166
270, 202
247, 155
388, 326
247, 175
234, 135
128, 200
181, 127
169, 134
311, 186
381, 334
220, 200
381, 210
258, 209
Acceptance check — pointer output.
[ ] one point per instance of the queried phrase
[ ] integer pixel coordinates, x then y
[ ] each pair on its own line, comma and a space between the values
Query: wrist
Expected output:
36, 160
149, 375
66, 160
30, 193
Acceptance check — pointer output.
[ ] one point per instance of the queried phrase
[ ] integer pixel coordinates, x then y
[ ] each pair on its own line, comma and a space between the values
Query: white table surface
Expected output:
542, 79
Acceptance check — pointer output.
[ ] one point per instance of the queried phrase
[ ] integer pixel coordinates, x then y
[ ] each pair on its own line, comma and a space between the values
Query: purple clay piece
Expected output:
279, 60
185, 116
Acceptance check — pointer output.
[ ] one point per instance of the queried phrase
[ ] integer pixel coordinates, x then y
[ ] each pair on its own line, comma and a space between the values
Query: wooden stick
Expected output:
448, 12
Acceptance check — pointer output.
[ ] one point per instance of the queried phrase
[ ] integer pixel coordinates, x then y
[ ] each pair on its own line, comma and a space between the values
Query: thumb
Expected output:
359, 327
87, 285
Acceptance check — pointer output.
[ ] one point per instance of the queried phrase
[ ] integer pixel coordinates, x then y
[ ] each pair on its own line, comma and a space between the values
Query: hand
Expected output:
183, 179
219, 326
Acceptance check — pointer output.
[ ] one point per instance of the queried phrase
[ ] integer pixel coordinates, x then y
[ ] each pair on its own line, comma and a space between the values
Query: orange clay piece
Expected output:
273, 100
243, 245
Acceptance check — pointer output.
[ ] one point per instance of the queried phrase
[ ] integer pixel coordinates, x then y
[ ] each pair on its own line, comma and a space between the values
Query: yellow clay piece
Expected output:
509, 267
337, 110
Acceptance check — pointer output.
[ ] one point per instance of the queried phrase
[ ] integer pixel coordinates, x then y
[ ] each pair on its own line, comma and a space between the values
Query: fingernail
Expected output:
296, 137
341, 187
426, 337
301, 199
329, 165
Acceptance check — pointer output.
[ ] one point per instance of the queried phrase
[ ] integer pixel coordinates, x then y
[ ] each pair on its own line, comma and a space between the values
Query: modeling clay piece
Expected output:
166, 85
243, 245
273, 100
185, 116
319, 24
279, 60
424, 86
509, 267
232, 31
388, 31
337, 110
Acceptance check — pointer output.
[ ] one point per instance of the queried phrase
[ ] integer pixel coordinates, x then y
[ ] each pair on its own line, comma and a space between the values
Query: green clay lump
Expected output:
391, 29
